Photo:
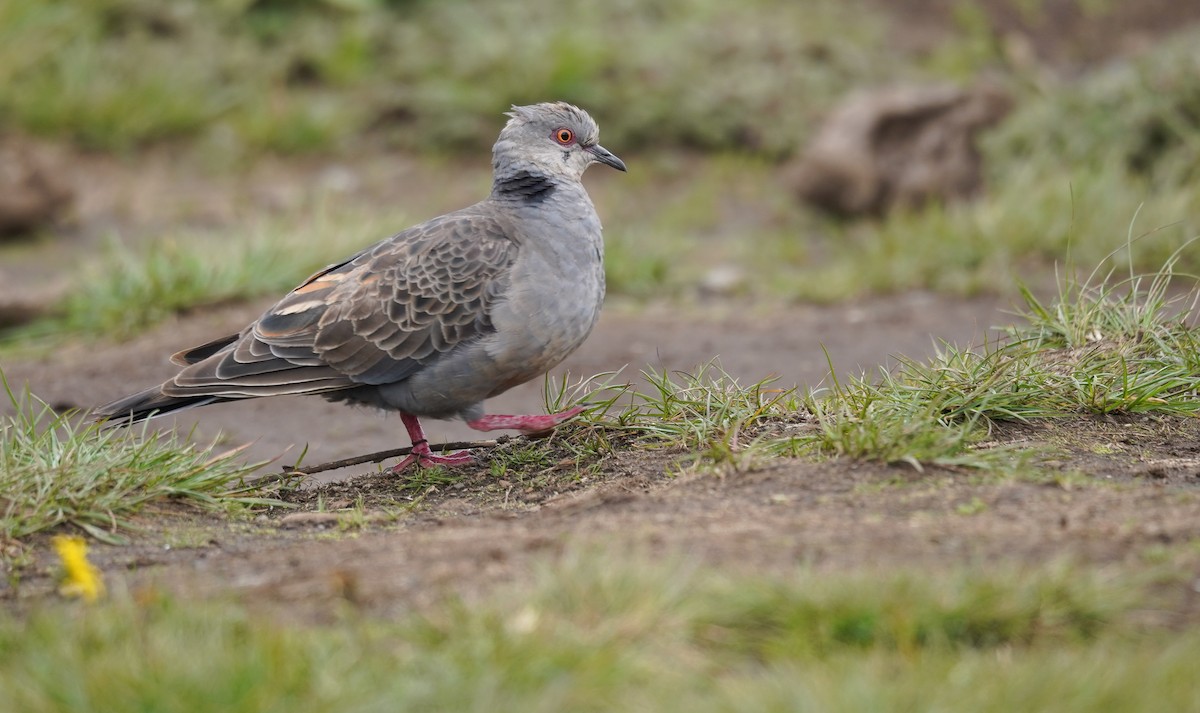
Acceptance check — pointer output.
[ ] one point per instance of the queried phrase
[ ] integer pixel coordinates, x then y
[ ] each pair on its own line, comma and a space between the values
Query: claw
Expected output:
423, 458
421, 455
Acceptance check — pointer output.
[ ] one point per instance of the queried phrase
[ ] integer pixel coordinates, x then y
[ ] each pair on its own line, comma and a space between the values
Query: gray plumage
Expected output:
436, 319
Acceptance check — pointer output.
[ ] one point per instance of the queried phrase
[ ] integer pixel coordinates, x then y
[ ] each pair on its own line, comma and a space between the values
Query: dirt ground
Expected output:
1127, 494
1128, 491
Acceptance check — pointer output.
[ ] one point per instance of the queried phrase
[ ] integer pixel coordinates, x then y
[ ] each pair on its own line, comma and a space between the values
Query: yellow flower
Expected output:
80, 577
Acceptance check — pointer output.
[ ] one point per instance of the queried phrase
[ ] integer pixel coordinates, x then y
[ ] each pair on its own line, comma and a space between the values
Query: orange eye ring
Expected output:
564, 136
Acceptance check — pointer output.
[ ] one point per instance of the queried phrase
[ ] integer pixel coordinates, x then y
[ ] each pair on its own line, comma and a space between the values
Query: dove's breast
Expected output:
552, 300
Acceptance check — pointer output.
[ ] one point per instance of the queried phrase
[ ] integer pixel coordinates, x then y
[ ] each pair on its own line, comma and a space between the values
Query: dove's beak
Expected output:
605, 156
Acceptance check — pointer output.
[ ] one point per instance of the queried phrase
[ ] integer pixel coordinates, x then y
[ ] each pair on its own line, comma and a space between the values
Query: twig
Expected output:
375, 458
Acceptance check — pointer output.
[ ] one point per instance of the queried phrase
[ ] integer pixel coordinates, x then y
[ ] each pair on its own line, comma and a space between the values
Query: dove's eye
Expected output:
564, 136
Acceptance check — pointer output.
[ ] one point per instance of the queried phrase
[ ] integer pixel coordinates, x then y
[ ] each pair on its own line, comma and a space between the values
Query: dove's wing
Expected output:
374, 319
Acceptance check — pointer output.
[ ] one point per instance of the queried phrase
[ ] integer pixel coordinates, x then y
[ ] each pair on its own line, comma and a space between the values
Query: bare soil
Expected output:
1129, 494
1115, 492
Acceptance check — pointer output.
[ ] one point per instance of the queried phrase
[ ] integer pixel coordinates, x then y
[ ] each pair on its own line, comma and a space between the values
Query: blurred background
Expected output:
164, 162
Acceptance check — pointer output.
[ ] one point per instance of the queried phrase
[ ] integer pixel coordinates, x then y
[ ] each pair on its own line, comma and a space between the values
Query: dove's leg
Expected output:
524, 424
421, 455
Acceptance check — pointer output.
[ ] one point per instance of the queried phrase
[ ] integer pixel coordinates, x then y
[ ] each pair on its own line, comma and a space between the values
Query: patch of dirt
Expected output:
1126, 449
377, 545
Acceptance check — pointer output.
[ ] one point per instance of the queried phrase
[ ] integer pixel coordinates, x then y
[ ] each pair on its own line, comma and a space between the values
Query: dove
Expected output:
438, 318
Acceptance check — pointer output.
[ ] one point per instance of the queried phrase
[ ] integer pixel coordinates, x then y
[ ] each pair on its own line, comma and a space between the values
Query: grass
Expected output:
1028, 220
666, 232
55, 472
698, 410
242, 78
1073, 161
601, 632
706, 418
130, 290
295, 77
1103, 346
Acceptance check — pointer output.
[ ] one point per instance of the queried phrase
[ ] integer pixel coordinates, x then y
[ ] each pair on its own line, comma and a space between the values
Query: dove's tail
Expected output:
145, 405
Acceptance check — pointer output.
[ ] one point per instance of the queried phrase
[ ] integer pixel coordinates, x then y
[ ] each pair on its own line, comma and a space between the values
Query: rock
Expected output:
15, 312
723, 281
899, 146
32, 193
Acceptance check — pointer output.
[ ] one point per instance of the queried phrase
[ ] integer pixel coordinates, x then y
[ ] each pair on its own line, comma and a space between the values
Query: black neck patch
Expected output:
525, 187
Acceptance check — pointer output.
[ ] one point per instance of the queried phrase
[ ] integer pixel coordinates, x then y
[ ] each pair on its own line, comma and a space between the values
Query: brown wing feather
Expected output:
373, 319
202, 352
198, 354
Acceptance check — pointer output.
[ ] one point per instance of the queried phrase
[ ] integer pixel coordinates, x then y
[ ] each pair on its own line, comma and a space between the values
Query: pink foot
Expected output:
421, 455
524, 424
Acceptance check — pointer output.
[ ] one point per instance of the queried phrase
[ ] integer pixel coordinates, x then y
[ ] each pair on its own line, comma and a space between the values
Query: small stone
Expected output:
33, 192
723, 281
308, 519
899, 146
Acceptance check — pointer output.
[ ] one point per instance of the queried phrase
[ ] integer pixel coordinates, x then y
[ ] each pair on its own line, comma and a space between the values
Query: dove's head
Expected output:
554, 139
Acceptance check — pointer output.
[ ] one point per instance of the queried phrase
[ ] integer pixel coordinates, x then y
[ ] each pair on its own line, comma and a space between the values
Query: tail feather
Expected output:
195, 355
147, 404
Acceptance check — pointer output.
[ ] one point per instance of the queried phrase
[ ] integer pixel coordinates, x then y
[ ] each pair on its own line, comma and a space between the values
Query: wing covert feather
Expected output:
375, 318
415, 297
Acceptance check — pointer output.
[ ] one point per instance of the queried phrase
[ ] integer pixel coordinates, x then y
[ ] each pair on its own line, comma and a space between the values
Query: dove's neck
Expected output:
524, 178
529, 187
523, 187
